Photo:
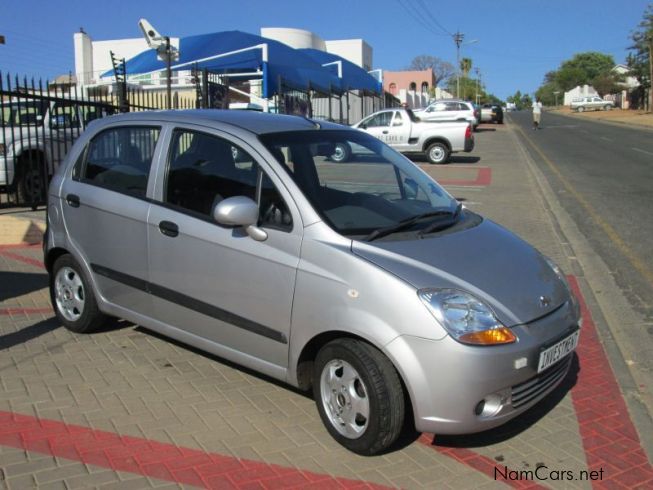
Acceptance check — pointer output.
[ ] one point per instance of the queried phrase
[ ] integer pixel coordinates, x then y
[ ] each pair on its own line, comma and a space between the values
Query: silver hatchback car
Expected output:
236, 233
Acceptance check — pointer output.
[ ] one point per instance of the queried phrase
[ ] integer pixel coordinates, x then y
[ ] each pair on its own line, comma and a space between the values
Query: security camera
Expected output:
153, 38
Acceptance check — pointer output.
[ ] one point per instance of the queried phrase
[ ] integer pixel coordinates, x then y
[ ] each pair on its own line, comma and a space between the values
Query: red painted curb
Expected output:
156, 459
483, 179
25, 311
22, 258
609, 437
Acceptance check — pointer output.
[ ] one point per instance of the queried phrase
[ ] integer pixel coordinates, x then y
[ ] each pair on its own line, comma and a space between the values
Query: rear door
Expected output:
105, 210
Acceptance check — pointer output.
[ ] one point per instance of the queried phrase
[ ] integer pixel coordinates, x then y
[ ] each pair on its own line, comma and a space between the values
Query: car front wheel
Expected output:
358, 395
608, 107
72, 297
437, 153
580, 109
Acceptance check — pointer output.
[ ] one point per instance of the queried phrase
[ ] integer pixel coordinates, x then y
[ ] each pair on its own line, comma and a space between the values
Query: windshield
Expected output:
357, 183
22, 113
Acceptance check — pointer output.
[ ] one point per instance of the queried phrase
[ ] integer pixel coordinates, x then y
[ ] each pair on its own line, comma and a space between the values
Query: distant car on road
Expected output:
593, 102
406, 133
492, 113
450, 110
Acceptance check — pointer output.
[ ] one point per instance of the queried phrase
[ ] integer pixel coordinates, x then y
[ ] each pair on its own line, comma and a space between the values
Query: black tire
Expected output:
437, 153
31, 180
608, 107
580, 109
88, 318
342, 153
381, 386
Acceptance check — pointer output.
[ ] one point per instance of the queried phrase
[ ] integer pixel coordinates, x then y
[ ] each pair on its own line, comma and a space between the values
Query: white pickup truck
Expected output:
406, 133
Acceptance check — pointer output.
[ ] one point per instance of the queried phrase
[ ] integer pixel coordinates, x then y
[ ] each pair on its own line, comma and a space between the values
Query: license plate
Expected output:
553, 354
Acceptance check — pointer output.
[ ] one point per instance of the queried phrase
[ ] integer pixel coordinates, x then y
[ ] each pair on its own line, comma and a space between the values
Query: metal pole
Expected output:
458, 39
650, 67
168, 73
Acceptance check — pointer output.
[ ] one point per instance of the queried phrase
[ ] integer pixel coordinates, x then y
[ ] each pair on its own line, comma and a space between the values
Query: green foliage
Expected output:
466, 66
639, 58
521, 101
583, 68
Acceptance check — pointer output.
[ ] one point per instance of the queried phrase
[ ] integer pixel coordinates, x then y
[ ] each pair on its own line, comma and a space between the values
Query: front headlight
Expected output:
465, 317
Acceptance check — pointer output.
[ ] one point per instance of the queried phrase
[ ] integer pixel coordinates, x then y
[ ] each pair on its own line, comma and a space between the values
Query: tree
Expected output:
465, 66
582, 69
607, 83
442, 70
640, 61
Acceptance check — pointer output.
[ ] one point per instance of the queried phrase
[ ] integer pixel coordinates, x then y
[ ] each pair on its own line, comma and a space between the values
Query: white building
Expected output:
578, 91
355, 50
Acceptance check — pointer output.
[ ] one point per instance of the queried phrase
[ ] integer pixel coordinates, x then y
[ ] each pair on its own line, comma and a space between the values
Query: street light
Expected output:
458, 39
478, 80
165, 51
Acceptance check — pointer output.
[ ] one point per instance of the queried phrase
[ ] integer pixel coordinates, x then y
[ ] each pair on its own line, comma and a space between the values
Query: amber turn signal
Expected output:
494, 336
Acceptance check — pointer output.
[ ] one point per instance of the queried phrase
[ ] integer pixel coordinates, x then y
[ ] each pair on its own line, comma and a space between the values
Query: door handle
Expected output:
168, 228
385, 132
73, 200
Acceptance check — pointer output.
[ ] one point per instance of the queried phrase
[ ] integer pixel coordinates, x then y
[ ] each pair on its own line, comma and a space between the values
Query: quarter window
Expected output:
120, 159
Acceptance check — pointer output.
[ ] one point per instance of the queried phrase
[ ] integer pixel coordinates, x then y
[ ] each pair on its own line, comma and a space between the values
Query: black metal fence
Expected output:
39, 121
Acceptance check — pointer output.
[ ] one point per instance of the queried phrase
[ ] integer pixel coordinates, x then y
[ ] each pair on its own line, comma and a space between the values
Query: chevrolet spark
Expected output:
237, 233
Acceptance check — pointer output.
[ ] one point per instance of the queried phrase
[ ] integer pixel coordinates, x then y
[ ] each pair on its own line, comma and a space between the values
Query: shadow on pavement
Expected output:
226, 362
453, 159
484, 130
518, 424
14, 284
28, 333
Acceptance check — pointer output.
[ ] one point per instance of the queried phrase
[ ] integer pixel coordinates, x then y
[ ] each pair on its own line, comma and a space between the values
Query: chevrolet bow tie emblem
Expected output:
545, 301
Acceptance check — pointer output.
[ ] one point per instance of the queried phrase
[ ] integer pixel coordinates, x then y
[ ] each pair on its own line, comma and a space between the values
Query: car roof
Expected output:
253, 121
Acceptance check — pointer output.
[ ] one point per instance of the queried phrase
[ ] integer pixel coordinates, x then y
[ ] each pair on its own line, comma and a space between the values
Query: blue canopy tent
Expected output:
352, 77
239, 52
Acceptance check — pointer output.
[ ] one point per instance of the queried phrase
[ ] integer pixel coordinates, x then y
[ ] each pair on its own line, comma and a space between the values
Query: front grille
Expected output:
534, 387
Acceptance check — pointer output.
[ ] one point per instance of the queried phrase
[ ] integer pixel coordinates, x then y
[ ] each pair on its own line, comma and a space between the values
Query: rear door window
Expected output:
120, 159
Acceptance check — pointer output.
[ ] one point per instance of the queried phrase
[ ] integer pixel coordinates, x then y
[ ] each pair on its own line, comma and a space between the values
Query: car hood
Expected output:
487, 260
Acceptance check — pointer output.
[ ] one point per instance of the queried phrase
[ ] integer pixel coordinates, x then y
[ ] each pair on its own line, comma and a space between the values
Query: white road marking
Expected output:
642, 151
606, 138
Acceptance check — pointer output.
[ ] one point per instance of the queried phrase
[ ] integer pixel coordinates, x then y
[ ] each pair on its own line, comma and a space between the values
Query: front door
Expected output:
214, 281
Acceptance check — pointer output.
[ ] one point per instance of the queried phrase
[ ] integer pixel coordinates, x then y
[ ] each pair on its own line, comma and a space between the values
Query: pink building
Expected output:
417, 81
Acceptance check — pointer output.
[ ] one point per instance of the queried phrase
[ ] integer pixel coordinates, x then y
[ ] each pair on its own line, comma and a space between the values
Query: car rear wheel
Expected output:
580, 109
72, 297
31, 182
358, 395
437, 153
608, 107
342, 153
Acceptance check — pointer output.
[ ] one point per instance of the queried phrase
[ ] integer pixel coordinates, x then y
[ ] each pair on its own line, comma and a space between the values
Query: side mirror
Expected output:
362, 126
240, 211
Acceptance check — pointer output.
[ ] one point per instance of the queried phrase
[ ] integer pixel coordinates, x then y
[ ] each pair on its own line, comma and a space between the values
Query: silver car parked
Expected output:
236, 233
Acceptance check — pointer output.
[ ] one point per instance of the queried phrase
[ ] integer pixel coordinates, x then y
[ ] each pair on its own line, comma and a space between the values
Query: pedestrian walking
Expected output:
537, 113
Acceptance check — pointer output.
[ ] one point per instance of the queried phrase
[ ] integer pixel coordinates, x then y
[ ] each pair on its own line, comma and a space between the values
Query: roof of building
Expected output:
241, 52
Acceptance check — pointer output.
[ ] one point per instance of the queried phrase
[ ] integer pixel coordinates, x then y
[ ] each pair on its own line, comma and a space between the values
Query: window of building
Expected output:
425, 87
413, 86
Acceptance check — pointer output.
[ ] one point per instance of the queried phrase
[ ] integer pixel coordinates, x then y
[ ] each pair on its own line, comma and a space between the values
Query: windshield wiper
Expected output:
439, 225
403, 224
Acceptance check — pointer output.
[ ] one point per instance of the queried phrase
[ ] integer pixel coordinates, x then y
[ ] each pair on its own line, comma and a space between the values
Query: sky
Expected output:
516, 41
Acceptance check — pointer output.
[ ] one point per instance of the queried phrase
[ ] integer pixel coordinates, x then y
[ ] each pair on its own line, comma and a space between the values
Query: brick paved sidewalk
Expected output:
125, 408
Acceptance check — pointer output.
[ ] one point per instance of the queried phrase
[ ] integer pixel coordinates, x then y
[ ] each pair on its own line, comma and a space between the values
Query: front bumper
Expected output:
447, 380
